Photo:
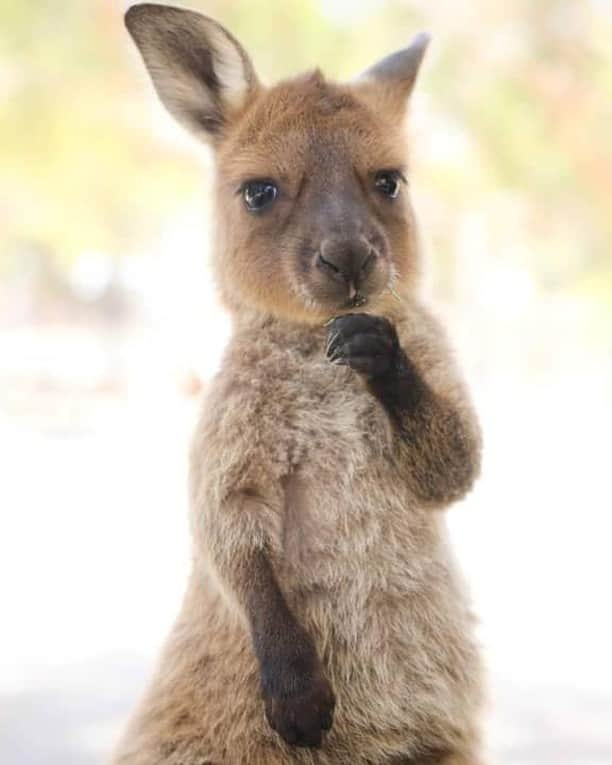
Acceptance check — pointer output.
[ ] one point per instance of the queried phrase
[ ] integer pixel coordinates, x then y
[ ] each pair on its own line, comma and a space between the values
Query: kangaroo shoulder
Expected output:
244, 438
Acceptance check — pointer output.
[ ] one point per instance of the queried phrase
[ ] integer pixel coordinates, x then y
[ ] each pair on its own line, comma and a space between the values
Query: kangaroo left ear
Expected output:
200, 71
395, 75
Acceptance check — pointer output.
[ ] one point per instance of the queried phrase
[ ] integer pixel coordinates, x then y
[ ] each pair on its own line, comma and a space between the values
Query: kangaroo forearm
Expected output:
239, 540
402, 391
298, 699
279, 641
437, 444
437, 440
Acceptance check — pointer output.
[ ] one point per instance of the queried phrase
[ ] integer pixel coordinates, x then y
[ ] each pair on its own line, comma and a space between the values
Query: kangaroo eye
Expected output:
388, 183
258, 194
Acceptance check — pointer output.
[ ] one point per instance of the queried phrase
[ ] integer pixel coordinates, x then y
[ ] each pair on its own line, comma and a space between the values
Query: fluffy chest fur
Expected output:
281, 417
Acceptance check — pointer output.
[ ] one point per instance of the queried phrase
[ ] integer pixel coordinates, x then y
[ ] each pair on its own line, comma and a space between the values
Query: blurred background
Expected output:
109, 328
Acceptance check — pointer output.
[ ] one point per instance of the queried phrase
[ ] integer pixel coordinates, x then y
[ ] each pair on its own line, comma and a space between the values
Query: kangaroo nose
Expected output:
349, 261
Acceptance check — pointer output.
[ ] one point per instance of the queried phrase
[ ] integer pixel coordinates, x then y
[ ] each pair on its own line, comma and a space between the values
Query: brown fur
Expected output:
315, 542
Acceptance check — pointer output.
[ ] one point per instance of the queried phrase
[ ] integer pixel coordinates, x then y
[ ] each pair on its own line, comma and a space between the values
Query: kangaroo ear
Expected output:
200, 72
395, 75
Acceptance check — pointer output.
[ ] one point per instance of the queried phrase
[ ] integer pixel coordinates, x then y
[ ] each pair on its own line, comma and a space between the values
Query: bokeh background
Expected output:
109, 329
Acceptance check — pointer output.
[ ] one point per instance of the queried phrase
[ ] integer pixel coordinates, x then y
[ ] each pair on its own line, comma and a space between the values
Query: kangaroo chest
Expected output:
348, 513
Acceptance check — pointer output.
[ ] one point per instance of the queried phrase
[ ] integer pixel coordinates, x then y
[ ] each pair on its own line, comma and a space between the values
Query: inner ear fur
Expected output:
200, 71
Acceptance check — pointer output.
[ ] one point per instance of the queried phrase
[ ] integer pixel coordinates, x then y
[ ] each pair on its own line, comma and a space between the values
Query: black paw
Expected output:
302, 709
368, 344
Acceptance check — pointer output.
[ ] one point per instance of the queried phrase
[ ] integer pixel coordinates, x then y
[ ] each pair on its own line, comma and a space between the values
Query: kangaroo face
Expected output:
311, 196
312, 209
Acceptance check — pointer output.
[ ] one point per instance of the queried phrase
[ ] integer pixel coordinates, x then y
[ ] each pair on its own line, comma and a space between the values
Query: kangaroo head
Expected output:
312, 210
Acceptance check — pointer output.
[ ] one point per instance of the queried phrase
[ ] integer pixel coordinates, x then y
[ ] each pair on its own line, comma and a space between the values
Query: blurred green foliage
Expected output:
521, 92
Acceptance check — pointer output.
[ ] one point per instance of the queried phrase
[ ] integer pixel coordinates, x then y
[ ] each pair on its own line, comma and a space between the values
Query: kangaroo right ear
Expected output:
390, 81
200, 72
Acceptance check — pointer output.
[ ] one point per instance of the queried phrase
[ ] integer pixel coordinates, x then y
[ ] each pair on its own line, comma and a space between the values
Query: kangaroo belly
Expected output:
372, 576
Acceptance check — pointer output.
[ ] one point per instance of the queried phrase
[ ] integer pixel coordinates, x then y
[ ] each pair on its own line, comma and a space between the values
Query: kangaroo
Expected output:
324, 620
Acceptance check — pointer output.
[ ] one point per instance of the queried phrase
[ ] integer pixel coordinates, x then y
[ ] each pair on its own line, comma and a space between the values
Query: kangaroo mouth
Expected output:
356, 301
